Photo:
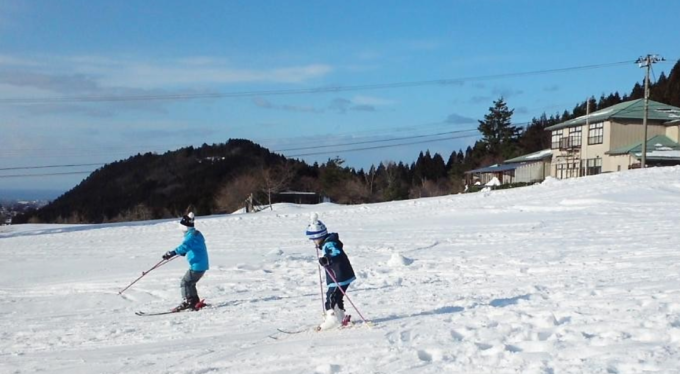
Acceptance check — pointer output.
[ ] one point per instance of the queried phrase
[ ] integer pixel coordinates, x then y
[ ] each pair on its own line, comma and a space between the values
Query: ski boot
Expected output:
330, 321
186, 304
199, 305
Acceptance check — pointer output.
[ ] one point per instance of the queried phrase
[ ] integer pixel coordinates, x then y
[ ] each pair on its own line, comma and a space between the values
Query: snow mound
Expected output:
399, 260
550, 181
493, 182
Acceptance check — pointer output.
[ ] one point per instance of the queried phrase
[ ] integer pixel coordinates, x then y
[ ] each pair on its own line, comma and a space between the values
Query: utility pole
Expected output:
585, 146
647, 62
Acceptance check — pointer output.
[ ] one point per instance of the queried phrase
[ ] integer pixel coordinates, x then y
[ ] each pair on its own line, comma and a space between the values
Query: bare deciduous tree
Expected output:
139, 212
370, 179
275, 179
430, 189
233, 194
355, 192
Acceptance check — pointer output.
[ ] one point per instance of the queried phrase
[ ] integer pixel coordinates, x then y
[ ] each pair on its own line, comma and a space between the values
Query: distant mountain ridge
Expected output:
161, 186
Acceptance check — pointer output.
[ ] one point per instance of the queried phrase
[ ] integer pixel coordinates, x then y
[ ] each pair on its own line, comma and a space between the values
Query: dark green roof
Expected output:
531, 157
627, 110
496, 168
657, 144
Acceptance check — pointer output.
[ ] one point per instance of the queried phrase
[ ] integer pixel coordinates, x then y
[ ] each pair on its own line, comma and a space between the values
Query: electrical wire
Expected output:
294, 155
380, 147
304, 148
47, 166
371, 141
44, 175
317, 90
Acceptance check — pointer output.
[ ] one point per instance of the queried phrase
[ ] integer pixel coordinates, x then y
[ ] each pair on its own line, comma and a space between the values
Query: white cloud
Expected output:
189, 72
149, 75
371, 100
266, 104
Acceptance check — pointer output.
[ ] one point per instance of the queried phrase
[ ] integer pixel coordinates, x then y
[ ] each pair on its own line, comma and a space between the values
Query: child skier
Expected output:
337, 265
193, 247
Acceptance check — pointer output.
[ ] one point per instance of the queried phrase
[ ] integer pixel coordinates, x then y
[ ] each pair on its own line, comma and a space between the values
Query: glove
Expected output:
324, 261
168, 255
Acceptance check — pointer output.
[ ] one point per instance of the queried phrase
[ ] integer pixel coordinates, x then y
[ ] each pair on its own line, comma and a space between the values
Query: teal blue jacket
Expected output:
193, 247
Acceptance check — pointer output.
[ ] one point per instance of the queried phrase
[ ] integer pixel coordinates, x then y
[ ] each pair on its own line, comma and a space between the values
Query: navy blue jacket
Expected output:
339, 264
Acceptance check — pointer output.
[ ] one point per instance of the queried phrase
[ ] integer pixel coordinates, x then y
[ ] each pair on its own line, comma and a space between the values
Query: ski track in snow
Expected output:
573, 276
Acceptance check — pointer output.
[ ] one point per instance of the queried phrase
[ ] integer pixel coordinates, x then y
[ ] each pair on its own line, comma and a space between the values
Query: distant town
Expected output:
11, 208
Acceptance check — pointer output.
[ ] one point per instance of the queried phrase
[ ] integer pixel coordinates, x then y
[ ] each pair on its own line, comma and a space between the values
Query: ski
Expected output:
145, 314
280, 333
200, 305
291, 332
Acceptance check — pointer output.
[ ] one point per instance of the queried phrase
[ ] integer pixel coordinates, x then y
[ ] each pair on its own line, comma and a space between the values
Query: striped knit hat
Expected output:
316, 229
188, 220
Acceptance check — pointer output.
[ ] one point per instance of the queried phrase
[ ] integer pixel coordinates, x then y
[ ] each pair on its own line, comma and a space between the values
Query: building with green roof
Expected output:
610, 139
530, 168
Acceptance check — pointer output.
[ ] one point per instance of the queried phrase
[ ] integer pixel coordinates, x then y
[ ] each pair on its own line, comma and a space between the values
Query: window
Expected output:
572, 169
556, 137
560, 171
596, 133
594, 166
582, 165
575, 137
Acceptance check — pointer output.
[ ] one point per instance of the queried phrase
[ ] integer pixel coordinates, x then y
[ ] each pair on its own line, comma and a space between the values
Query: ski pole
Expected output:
159, 264
323, 304
347, 296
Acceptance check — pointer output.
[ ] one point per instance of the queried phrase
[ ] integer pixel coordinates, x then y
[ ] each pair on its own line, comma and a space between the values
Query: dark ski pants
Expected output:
188, 284
335, 297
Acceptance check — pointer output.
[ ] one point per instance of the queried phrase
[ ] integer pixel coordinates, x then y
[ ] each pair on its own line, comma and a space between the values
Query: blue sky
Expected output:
155, 49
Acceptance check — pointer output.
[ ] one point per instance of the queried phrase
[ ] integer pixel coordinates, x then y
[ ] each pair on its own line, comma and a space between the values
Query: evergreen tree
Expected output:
658, 92
499, 136
638, 92
673, 86
438, 167
535, 138
455, 167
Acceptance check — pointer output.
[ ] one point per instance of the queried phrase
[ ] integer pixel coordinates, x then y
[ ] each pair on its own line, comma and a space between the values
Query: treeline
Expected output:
219, 178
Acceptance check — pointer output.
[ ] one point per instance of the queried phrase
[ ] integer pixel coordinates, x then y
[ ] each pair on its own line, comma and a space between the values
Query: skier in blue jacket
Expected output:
335, 261
193, 247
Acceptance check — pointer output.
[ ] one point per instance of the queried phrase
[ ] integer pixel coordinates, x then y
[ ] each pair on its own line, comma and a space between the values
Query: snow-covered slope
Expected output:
573, 276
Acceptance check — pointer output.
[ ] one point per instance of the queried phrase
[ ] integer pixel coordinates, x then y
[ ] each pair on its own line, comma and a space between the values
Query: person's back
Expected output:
339, 263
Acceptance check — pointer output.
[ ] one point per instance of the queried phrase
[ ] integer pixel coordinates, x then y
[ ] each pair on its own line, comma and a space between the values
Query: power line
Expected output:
380, 146
372, 141
296, 155
317, 90
306, 148
48, 152
48, 166
44, 175
282, 150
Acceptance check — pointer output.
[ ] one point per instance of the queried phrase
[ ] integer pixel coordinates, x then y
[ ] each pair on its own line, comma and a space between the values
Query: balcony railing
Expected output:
570, 143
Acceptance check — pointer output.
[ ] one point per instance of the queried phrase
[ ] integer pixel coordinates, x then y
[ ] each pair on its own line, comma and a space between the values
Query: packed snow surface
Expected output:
567, 276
